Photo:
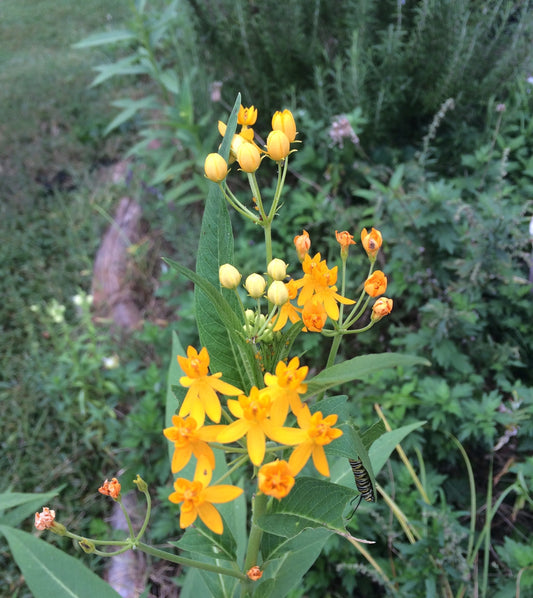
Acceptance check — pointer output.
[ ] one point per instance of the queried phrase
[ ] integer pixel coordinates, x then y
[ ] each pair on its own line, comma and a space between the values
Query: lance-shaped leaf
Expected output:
48, 571
21, 505
215, 247
382, 448
240, 365
360, 368
310, 504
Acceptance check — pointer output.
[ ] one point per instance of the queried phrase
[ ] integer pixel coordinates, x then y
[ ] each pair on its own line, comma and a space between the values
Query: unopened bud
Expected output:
278, 293
277, 269
255, 285
229, 276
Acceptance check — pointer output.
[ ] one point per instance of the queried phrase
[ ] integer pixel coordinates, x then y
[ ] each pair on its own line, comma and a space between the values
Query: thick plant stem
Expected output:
256, 533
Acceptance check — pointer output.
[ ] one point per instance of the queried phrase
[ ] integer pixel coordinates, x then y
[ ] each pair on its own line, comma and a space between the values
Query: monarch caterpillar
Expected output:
362, 480
363, 483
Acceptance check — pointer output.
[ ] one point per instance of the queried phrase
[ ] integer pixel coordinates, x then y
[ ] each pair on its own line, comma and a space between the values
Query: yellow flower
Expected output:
318, 283
315, 432
215, 168
247, 116
376, 284
201, 397
314, 316
302, 243
190, 439
252, 413
111, 488
275, 479
248, 157
278, 145
382, 307
285, 387
288, 311
372, 242
198, 498
246, 135
284, 121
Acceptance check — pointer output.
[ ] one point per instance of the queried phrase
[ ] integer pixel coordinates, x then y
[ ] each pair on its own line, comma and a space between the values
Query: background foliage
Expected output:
436, 154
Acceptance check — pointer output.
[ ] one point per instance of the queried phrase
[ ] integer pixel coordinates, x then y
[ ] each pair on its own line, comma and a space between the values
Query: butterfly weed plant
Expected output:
253, 429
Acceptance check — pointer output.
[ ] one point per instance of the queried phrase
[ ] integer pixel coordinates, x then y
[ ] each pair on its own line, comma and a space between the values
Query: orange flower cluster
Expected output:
259, 415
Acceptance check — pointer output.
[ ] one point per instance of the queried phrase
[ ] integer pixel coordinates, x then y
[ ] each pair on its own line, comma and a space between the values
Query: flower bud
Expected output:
229, 276
87, 546
248, 157
382, 307
255, 285
302, 243
277, 269
142, 486
376, 284
284, 121
278, 145
215, 168
372, 242
344, 239
249, 315
278, 293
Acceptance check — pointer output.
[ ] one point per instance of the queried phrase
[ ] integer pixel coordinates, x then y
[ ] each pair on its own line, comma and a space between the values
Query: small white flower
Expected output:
112, 362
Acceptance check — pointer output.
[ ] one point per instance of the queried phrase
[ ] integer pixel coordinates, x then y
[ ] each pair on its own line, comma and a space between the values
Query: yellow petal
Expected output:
235, 408
187, 517
256, 445
222, 493
300, 456
203, 472
224, 388
288, 436
234, 431
202, 449
211, 517
180, 458
320, 461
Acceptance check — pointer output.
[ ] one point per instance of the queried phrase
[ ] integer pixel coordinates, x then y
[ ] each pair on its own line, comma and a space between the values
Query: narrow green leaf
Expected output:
105, 37
215, 248
382, 448
359, 368
373, 433
239, 367
48, 571
311, 503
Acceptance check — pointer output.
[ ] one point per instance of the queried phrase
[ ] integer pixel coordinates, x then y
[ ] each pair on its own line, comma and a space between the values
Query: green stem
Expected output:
282, 173
252, 181
147, 516
259, 505
173, 558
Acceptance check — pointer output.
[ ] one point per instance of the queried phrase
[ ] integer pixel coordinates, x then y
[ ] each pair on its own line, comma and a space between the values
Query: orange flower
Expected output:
315, 432
314, 316
247, 116
275, 479
376, 284
285, 389
45, 519
111, 488
345, 240
372, 242
201, 397
254, 573
284, 121
288, 311
302, 243
382, 307
190, 439
198, 498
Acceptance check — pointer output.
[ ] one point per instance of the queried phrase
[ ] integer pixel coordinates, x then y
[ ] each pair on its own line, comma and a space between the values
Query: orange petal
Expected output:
211, 517
299, 457
222, 493
180, 458
320, 461
256, 445
234, 431
187, 517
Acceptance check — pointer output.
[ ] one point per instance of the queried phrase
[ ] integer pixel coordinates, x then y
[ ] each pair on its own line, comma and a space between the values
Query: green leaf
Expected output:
48, 571
201, 540
215, 248
130, 108
297, 555
311, 503
239, 368
360, 368
23, 505
382, 448
105, 37
373, 433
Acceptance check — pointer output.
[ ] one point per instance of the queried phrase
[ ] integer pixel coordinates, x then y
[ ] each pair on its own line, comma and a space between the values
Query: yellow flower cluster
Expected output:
257, 416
